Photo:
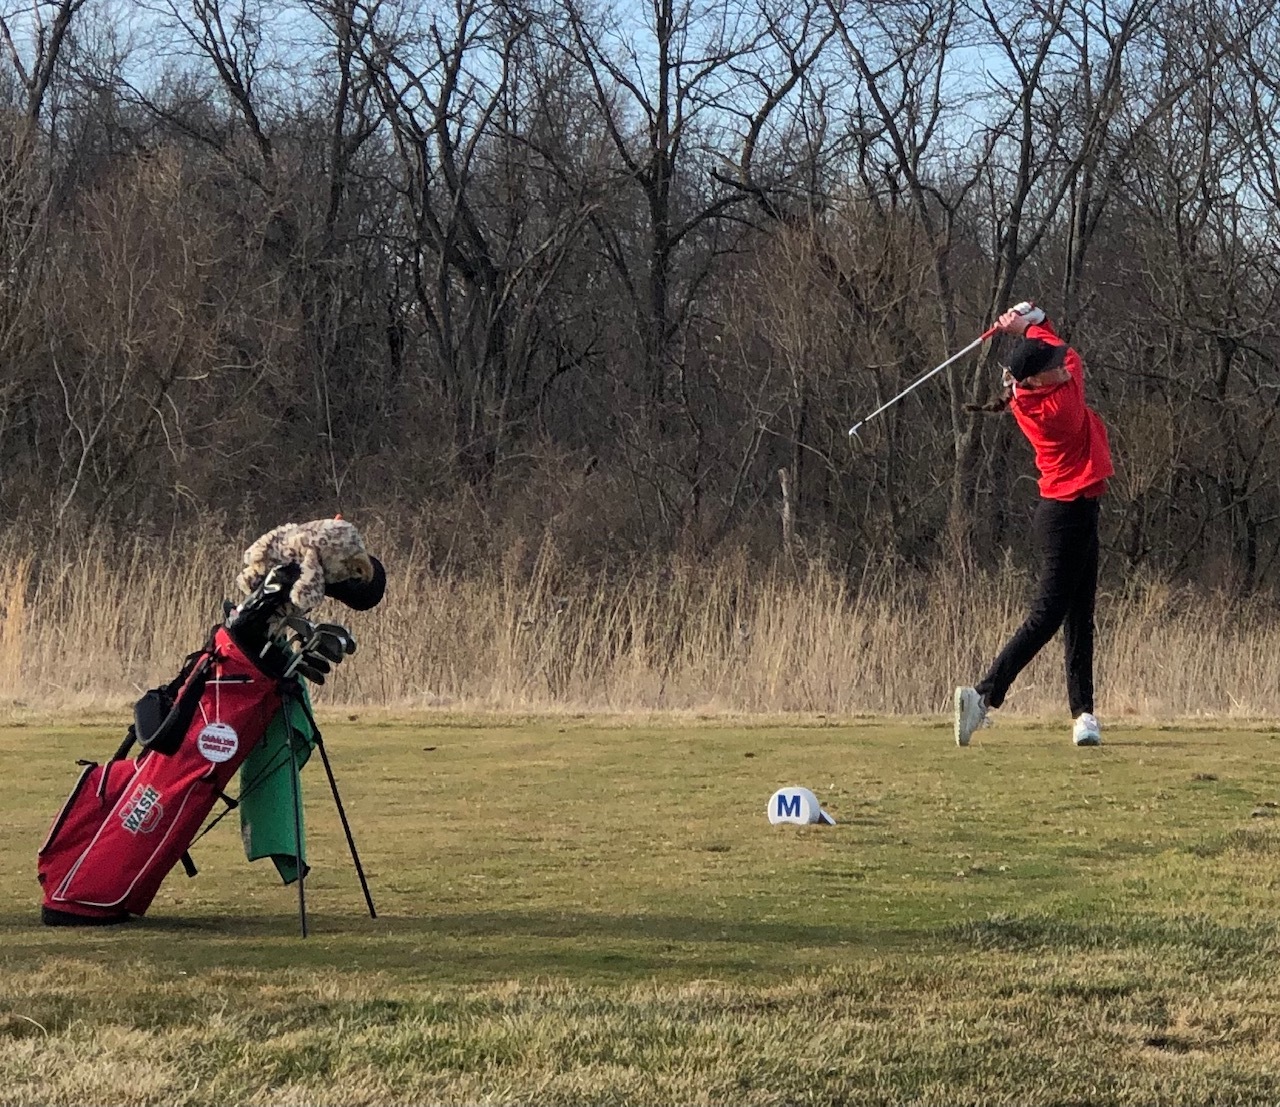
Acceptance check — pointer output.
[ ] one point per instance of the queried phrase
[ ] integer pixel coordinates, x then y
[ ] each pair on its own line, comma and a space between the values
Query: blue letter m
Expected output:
788, 805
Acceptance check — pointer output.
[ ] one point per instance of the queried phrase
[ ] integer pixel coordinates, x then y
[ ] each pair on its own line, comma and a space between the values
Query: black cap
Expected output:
1032, 356
360, 594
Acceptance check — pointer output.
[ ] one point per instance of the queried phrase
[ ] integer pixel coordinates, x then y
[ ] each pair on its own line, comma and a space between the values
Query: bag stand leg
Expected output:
351, 842
297, 825
294, 696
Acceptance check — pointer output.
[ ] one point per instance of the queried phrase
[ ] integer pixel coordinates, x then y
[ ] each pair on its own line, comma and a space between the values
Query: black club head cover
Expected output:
281, 579
360, 595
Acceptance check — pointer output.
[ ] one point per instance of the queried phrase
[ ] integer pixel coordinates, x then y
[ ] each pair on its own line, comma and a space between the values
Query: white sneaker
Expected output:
1086, 731
971, 713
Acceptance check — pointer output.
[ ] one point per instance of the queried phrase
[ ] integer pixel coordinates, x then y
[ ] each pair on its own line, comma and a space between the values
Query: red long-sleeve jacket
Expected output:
1069, 437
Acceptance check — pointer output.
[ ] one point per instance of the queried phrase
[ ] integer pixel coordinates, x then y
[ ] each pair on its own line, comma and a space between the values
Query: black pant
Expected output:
1065, 538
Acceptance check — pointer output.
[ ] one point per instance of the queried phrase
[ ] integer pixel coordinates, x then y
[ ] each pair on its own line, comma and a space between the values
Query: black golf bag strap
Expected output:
189, 663
163, 715
130, 736
188, 866
122, 751
231, 802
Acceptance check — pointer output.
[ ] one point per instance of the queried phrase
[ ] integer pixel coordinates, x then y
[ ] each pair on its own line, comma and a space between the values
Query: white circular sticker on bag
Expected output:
218, 742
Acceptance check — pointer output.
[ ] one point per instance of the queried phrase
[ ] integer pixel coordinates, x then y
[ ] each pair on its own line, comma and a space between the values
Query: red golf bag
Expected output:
128, 822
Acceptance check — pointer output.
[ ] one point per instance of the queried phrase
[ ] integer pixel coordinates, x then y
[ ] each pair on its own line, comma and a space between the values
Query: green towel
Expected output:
267, 781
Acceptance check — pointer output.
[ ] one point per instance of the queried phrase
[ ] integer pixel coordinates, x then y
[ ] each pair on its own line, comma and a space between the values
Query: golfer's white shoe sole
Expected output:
971, 713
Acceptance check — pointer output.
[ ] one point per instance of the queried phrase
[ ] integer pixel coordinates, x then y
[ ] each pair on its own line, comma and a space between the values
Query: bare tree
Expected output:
33, 39
712, 115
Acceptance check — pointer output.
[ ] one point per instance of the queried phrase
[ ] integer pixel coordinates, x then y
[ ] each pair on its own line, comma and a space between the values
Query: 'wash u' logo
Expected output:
143, 811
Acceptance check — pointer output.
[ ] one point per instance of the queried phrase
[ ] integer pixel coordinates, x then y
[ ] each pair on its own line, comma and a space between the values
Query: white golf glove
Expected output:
1030, 312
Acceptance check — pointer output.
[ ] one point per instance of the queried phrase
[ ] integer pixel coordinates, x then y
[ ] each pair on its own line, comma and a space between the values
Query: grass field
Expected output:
583, 910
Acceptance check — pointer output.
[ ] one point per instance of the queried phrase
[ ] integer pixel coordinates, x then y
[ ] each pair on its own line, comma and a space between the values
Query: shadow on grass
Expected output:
503, 945
479, 945
1019, 933
528, 924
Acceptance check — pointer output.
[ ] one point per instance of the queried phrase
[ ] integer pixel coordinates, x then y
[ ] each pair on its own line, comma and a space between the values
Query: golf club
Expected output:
335, 630
1024, 308
331, 647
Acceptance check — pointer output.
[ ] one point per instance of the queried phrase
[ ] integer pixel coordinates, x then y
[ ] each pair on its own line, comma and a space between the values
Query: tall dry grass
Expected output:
96, 623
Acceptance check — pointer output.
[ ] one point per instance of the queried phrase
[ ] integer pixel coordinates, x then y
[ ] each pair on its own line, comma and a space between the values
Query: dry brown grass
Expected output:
93, 624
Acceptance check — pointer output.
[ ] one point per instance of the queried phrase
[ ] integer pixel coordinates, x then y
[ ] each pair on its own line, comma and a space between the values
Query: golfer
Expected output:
1044, 388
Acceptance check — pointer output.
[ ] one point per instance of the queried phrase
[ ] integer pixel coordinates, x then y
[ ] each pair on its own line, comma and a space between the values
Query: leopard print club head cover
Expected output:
327, 550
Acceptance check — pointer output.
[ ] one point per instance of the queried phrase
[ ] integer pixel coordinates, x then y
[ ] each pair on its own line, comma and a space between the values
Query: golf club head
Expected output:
329, 646
317, 661
323, 643
313, 668
304, 628
339, 631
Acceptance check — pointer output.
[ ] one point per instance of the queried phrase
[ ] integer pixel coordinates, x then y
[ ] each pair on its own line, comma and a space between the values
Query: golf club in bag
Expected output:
127, 822
1025, 308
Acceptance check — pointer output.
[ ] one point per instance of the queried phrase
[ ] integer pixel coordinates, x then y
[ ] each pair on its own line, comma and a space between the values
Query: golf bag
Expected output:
128, 822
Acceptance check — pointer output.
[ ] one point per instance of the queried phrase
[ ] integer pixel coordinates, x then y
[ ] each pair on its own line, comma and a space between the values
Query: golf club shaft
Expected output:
912, 387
